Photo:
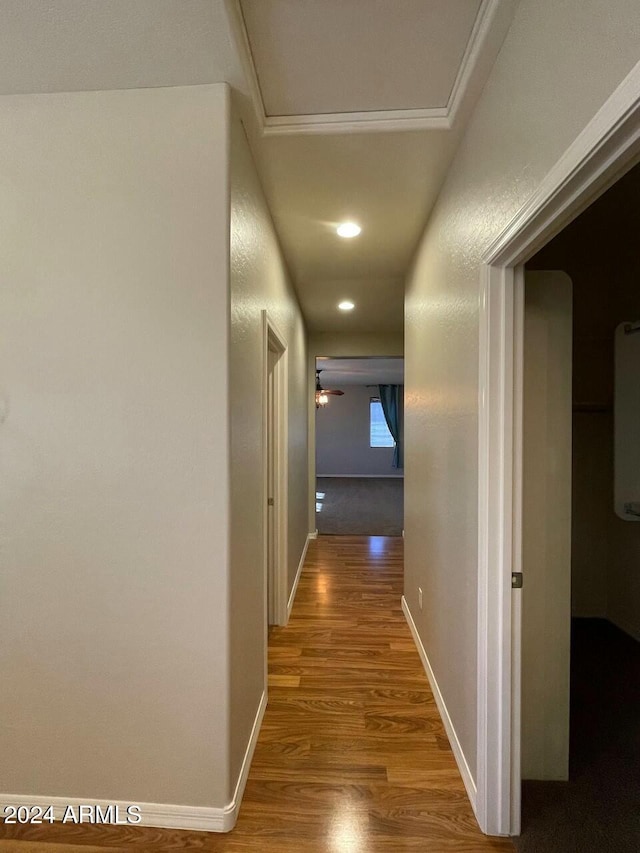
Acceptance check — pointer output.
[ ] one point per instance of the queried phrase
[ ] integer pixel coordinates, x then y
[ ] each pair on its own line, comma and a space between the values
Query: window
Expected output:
379, 435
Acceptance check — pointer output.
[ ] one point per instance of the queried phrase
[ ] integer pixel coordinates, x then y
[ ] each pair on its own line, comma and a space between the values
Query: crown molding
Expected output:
491, 13
433, 118
357, 122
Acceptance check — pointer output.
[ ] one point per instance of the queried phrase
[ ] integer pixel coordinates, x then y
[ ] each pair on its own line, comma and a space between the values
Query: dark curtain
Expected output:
392, 400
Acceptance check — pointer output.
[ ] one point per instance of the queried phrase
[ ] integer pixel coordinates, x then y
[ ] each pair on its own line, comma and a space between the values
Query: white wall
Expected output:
114, 453
559, 63
343, 437
259, 280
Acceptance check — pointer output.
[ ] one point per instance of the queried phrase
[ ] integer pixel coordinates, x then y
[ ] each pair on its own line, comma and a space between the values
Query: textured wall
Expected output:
558, 64
113, 330
259, 280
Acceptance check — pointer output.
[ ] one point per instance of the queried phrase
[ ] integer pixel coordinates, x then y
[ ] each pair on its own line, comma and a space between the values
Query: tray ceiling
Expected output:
381, 65
336, 62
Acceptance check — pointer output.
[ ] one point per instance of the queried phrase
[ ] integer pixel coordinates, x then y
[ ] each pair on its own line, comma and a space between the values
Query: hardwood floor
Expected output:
352, 756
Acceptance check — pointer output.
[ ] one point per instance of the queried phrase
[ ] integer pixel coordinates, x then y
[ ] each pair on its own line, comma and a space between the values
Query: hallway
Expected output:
352, 755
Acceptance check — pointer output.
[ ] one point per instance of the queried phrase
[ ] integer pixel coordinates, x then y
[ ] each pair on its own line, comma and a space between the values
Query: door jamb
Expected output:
605, 149
274, 341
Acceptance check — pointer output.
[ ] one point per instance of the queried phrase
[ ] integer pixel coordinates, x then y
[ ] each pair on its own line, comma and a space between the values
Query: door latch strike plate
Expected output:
516, 580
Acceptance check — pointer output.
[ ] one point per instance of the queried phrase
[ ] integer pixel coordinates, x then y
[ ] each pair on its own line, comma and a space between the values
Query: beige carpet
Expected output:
359, 506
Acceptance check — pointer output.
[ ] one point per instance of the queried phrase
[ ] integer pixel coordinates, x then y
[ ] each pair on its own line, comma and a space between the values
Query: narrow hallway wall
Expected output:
558, 65
113, 331
259, 280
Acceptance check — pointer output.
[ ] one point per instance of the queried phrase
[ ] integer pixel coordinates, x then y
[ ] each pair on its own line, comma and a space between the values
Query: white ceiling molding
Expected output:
373, 120
478, 41
481, 40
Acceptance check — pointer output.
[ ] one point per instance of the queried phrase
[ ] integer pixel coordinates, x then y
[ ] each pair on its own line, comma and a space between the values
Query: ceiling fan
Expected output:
322, 394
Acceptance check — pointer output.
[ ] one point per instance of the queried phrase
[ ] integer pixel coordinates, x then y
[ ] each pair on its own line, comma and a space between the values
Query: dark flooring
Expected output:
360, 506
599, 808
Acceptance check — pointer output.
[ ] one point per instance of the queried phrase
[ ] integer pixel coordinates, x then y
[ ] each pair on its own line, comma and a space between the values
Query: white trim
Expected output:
162, 815
361, 476
234, 806
272, 336
516, 595
456, 746
608, 145
495, 552
492, 13
489, 28
294, 588
378, 121
239, 33
313, 535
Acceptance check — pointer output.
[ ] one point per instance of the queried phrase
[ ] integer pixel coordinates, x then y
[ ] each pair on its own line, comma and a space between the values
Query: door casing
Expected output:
275, 437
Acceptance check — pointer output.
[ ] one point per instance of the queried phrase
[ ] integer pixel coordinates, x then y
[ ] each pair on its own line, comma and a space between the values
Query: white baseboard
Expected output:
360, 476
234, 805
161, 815
294, 588
456, 747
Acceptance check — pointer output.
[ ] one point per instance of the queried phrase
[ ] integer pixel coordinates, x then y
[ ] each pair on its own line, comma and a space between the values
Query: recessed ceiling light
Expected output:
348, 229
346, 305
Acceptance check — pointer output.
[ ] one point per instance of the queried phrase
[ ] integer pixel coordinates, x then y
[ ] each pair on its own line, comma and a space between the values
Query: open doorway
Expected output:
581, 533
359, 446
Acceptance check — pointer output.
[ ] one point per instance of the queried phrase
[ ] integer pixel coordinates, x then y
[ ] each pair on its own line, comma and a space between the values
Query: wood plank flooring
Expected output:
352, 756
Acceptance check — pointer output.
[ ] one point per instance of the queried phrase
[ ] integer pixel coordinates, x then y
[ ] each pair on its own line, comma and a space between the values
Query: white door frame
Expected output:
605, 149
273, 340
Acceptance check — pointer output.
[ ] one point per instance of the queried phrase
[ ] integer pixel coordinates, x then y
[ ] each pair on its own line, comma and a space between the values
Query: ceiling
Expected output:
386, 182
80, 45
357, 110
338, 372
340, 56
353, 109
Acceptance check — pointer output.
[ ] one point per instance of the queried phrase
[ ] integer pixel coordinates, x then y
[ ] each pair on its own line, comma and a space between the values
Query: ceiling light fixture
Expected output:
346, 305
348, 229
322, 394
322, 398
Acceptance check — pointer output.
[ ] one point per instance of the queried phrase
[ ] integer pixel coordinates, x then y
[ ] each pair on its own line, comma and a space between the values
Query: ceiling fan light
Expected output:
322, 399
